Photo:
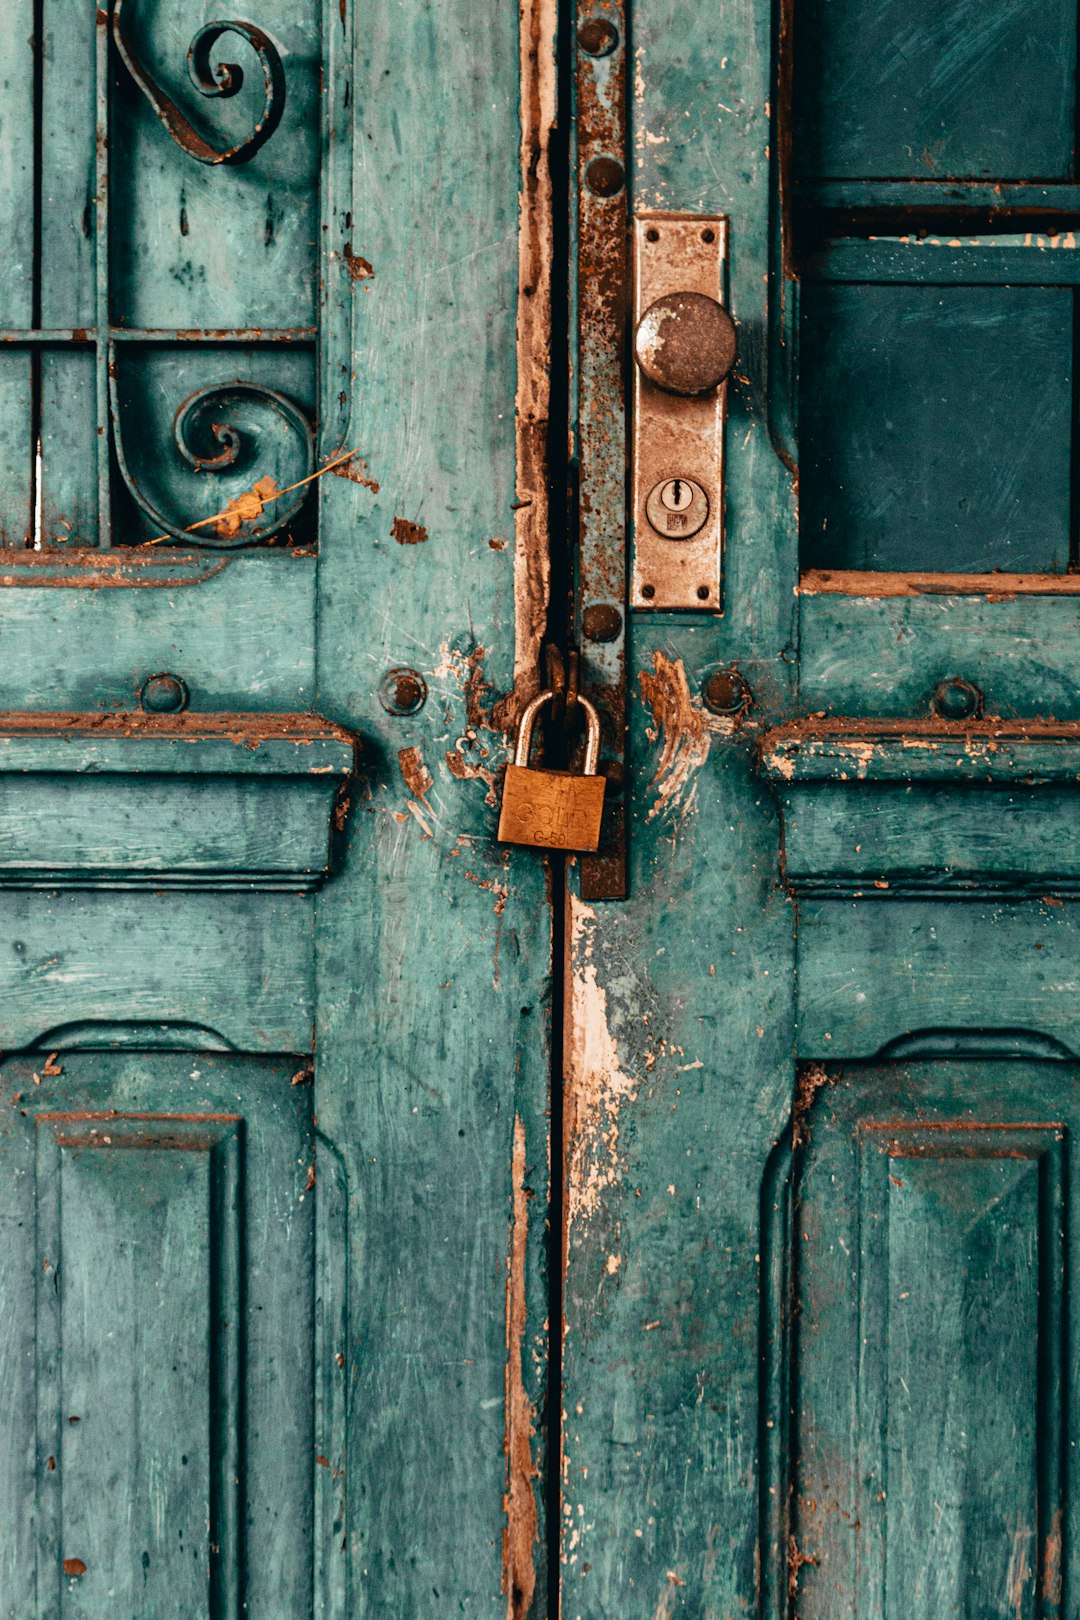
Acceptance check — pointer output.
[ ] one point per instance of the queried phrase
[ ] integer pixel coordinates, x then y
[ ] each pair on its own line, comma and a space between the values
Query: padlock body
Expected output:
551, 809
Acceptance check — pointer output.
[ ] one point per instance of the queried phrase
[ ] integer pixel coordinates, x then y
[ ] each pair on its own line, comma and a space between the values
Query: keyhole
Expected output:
677, 494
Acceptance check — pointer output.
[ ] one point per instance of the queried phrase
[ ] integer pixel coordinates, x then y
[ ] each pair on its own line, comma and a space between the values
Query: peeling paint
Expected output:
532, 566
407, 533
522, 1530
685, 728
596, 1086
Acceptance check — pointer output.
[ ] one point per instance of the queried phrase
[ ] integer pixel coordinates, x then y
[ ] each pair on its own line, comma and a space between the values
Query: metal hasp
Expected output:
684, 349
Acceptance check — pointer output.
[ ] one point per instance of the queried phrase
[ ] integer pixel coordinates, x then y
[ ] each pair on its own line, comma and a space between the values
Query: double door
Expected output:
401, 1223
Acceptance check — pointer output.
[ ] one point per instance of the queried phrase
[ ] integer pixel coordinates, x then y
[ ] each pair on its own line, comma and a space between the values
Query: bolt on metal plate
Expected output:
678, 437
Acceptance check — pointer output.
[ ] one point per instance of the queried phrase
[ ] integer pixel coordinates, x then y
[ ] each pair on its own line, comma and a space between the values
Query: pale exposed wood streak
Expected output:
522, 1530
997, 587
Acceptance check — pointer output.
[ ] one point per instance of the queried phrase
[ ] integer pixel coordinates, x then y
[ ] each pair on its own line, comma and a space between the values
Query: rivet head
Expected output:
402, 691
598, 37
605, 176
601, 622
685, 343
725, 692
957, 699
163, 694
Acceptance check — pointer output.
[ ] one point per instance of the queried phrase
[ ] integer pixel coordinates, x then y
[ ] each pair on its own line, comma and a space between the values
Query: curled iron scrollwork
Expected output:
210, 78
260, 447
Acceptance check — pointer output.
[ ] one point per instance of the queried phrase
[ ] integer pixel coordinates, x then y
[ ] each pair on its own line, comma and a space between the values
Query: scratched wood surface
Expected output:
916, 364
159, 1255
433, 942
933, 1230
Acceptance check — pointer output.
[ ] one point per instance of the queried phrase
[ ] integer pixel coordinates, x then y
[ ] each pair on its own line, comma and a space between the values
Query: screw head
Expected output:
163, 694
597, 36
402, 691
725, 692
605, 176
601, 622
957, 699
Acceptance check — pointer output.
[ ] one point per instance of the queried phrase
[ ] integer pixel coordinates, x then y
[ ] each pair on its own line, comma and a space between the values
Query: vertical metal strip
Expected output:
602, 302
103, 350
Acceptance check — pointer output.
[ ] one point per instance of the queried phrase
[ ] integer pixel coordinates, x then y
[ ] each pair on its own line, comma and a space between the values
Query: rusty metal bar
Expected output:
602, 302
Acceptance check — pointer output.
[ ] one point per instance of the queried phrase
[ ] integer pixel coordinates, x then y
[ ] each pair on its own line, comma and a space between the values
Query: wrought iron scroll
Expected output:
210, 78
209, 443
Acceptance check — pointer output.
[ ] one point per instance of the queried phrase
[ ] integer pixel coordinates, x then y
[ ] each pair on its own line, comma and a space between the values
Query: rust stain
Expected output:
358, 267
418, 778
356, 471
532, 566
1051, 1577
596, 1086
419, 781
684, 727
407, 533
74, 1566
522, 1530
796, 1560
808, 1082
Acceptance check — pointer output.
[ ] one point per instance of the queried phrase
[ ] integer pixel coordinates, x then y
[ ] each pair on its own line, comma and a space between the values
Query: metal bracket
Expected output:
677, 488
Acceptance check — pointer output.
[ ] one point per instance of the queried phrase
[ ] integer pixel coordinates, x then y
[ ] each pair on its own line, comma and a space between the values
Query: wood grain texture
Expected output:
680, 999
871, 974
932, 1244
242, 638
158, 1354
434, 954
236, 965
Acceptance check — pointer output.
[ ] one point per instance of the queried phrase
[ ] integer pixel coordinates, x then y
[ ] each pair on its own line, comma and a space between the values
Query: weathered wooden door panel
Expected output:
932, 1241
159, 1214
302, 1325
816, 1347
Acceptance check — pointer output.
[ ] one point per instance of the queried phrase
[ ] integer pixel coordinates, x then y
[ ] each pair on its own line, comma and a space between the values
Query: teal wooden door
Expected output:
274, 1006
819, 1332
403, 1224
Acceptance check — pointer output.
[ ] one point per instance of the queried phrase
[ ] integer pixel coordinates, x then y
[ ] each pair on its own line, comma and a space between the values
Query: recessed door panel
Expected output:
932, 1247
157, 1282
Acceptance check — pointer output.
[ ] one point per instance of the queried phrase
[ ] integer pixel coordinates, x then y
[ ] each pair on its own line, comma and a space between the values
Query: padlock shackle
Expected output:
523, 746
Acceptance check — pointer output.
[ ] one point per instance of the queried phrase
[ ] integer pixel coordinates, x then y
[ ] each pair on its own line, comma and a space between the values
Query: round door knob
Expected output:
685, 343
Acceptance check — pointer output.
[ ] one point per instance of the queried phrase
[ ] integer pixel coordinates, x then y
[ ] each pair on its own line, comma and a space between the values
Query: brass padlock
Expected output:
553, 809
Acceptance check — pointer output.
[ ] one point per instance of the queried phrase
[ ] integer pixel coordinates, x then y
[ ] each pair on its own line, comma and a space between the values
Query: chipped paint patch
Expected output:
419, 781
521, 1533
596, 1086
407, 533
684, 727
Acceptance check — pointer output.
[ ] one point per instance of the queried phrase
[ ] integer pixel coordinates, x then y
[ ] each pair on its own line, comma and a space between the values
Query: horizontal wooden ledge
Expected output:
844, 750
182, 744
995, 587
138, 567
190, 801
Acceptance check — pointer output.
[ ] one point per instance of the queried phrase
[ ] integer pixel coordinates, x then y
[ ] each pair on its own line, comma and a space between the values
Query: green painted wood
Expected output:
135, 800
238, 630
433, 943
876, 972
949, 89
870, 656
941, 838
198, 246
681, 999
158, 1279
932, 1243
238, 966
935, 428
